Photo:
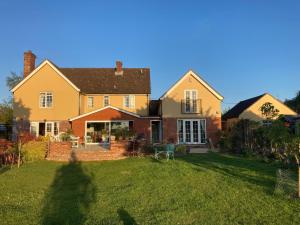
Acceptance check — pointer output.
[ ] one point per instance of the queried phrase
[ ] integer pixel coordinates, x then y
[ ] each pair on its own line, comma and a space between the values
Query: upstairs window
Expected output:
46, 100
129, 101
90, 102
106, 101
190, 101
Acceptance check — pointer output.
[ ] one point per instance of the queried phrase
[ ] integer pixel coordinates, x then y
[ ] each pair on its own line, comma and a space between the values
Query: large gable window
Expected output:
46, 100
129, 101
190, 101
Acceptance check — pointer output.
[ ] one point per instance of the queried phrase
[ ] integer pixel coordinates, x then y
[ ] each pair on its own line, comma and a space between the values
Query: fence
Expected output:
286, 183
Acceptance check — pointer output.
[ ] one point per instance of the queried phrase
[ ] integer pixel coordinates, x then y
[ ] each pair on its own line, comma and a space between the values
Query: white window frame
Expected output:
192, 134
43, 103
160, 131
36, 126
131, 101
108, 102
191, 100
90, 104
52, 128
103, 121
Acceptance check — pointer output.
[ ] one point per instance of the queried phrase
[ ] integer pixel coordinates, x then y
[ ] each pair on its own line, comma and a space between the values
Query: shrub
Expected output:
148, 148
34, 151
43, 138
65, 136
181, 149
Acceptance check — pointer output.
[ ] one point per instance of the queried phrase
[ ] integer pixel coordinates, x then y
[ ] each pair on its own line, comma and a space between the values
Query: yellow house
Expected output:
250, 109
191, 111
93, 101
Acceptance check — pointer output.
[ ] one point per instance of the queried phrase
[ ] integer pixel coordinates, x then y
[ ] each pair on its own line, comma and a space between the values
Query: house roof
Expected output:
104, 80
197, 77
101, 80
101, 109
240, 107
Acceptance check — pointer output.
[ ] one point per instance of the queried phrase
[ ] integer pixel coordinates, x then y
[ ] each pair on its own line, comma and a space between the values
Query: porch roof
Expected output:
104, 108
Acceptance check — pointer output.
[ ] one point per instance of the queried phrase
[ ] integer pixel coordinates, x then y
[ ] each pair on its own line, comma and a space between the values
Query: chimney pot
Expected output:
29, 62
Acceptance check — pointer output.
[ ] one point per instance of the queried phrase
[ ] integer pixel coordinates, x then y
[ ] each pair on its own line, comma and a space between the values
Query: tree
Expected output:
6, 112
269, 111
13, 80
294, 103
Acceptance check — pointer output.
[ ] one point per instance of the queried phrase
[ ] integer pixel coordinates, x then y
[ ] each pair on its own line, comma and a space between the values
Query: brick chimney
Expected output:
29, 63
119, 69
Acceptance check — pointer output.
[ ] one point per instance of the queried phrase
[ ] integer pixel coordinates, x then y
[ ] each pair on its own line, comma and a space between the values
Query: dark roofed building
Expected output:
251, 109
240, 107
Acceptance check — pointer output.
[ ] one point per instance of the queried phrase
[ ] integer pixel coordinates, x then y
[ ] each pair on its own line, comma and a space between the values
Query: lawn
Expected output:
202, 189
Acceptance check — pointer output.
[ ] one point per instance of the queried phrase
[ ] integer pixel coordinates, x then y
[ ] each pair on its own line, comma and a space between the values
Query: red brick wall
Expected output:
213, 127
169, 126
140, 125
59, 151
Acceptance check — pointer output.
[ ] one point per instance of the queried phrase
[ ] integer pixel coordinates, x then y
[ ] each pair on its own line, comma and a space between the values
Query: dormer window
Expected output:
90, 101
46, 100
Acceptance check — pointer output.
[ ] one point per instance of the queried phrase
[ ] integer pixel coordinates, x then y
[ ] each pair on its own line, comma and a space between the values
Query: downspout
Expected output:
162, 122
79, 106
148, 102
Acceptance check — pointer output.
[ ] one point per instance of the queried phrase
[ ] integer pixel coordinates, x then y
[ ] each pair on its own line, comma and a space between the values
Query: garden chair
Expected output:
159, 149
170, 151
75, 141
87, 139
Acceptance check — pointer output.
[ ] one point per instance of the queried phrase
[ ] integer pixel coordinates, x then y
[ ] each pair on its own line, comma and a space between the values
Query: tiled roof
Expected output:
240, 107
105, 81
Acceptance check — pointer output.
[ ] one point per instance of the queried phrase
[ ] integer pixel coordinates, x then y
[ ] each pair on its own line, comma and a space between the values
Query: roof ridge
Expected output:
134, 68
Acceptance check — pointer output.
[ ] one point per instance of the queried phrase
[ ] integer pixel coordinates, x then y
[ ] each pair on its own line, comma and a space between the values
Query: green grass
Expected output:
203, 189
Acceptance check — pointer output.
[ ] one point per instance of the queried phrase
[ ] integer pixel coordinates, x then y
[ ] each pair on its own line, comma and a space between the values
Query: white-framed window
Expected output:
46, 100
34, 129
129, 101
190, 101
191, 131
90, 101
106, 100
52, 128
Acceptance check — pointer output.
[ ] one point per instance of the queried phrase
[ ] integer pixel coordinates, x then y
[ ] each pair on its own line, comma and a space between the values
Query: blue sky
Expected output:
242, 48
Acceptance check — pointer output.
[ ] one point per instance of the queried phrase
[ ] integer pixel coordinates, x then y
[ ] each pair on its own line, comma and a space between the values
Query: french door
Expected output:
44, 128
191, 131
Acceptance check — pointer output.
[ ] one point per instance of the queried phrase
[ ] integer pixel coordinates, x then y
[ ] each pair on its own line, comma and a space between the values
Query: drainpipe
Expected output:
79, 104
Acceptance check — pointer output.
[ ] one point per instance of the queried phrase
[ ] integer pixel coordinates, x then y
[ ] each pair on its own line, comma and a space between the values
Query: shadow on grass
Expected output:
70, 195
126, 218
4, 169
243, 169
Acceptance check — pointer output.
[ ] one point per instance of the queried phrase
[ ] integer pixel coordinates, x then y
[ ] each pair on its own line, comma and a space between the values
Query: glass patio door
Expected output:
191, 131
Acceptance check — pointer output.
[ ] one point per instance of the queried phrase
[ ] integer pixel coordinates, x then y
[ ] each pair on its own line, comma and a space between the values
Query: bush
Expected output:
34, 151
147, 149
181, 149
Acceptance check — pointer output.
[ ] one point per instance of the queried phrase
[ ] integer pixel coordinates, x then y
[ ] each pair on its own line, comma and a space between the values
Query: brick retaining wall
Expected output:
62, 151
